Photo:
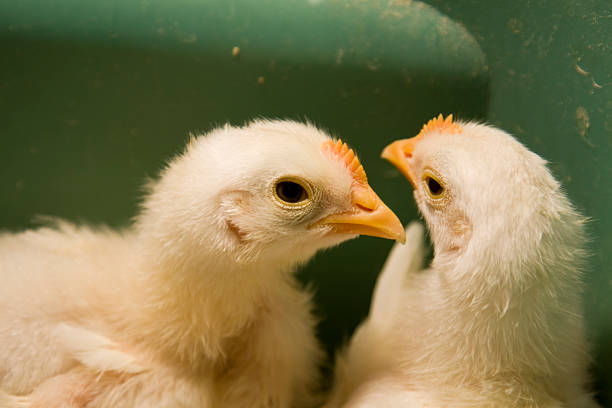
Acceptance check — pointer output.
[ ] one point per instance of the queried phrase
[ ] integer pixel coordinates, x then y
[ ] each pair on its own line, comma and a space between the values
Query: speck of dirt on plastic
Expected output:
584, 123
339, 56
587, 74
581, 71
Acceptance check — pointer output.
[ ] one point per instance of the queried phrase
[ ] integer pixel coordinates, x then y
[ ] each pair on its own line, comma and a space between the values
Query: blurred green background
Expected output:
95, 96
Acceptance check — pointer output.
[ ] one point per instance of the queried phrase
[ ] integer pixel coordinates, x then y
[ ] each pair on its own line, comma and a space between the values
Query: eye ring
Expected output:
433, 185
292, 192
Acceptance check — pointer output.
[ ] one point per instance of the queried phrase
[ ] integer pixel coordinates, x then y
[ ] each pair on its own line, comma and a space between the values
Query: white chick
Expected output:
195, 305
496, 320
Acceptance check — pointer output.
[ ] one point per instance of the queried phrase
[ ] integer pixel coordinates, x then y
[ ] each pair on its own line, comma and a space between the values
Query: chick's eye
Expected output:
291, 192
433, 186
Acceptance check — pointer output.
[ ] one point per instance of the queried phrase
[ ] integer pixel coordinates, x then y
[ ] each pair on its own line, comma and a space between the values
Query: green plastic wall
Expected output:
96, 95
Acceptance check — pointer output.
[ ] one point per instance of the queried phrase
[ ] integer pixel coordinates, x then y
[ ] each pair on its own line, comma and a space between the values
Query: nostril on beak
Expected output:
408, 147
364, 198
365, 208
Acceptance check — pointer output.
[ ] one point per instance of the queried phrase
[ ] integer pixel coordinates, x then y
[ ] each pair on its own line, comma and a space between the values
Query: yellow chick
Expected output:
195, 304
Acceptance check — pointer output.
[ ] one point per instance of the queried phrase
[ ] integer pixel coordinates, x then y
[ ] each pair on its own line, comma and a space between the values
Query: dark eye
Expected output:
291, 192
434, 187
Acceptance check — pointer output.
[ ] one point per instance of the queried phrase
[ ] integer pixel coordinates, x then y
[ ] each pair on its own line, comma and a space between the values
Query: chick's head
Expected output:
477, 186
272, 190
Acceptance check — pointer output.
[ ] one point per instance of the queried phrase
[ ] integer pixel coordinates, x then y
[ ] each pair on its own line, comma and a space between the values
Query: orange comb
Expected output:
441, 125
342, 152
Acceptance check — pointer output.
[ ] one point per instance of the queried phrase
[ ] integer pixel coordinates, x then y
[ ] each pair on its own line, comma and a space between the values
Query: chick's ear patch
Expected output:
234, 204
451, 229
461, 231
235, 229
237, 220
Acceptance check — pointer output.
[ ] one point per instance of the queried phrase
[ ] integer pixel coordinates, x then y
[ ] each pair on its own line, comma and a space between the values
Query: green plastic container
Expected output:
96, 95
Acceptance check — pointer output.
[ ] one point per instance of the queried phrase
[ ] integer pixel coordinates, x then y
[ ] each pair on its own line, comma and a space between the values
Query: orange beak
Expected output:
397, 153
368, 216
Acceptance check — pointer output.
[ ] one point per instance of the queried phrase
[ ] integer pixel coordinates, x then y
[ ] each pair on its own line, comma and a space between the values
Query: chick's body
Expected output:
195, 305
496, 320
192, 349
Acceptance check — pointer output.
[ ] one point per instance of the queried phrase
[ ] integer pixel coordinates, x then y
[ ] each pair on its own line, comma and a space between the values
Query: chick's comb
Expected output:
346, 155
441, 125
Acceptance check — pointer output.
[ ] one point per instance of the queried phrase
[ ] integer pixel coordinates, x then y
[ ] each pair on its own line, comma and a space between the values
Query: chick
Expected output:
496, 320
195, 304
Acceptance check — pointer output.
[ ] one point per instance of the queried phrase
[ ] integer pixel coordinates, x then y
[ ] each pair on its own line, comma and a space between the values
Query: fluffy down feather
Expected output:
496, 319
195, 304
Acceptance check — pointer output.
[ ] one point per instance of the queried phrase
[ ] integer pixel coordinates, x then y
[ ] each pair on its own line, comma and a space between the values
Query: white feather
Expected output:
11, 401
368, 357
96, 351
403, 261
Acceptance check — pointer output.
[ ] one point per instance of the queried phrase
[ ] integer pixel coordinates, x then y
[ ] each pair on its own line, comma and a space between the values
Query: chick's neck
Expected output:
194, 308
498, 315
